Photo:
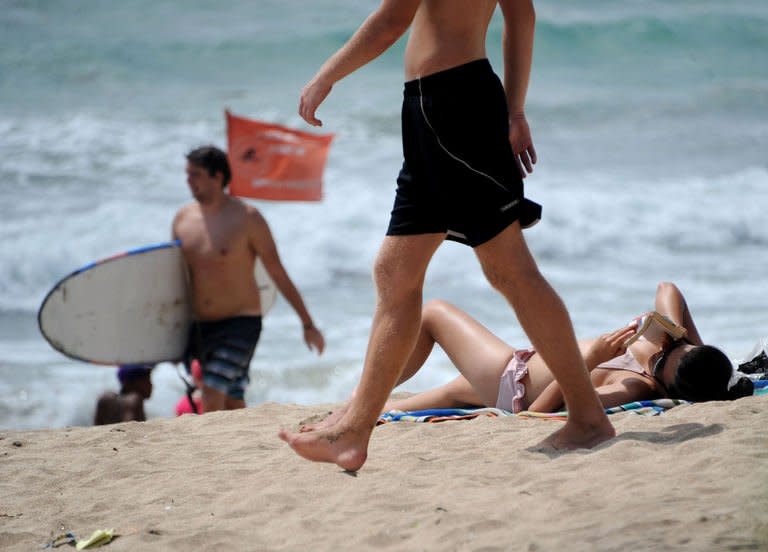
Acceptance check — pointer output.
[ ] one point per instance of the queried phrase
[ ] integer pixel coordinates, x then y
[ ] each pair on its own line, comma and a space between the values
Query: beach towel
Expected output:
642, 408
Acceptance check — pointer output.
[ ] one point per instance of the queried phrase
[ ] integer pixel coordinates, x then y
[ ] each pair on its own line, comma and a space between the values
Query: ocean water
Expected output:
650, 120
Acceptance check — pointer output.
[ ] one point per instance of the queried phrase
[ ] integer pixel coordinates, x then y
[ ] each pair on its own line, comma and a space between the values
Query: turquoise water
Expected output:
649, 119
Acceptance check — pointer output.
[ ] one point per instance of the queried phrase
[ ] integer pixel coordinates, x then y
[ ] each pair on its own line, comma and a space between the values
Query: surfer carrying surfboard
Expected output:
221, 238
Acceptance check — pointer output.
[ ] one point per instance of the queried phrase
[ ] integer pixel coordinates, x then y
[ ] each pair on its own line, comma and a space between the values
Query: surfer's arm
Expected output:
175, 224
265, 247
671, 303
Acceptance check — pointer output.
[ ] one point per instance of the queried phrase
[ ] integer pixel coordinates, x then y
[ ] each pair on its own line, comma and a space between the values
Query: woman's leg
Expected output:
457, 393
478, 354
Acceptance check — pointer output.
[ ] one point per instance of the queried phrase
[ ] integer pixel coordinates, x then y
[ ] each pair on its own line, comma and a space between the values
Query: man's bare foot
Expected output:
347, 449
326, 422
573, 436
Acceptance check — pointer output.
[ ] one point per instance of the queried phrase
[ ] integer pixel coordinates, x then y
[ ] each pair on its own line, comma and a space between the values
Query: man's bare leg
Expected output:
511, 269
399, 276
213, 399
424, 344
329, 420
234, 404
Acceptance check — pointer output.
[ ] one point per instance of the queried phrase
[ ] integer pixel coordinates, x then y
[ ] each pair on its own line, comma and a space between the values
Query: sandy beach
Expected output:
694, 478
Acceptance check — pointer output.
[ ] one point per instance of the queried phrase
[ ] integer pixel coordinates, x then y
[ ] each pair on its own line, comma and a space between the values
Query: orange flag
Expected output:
270, 161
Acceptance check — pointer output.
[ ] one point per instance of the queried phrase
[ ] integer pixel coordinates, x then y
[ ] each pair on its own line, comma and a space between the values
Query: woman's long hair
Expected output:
703, 375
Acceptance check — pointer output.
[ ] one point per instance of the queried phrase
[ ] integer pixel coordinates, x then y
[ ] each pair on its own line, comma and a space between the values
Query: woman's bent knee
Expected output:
434, 311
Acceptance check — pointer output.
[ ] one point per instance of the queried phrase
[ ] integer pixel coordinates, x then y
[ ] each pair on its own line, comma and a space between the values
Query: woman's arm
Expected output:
612, 394
628, 390
605, 347
671, 303
549, 400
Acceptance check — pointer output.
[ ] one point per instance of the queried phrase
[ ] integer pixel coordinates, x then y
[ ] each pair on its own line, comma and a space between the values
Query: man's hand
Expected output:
608, 346
522, 144
312, 96
314, 339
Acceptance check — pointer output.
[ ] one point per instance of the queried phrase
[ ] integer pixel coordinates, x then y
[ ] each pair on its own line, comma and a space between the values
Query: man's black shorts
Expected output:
224, 348
459, 174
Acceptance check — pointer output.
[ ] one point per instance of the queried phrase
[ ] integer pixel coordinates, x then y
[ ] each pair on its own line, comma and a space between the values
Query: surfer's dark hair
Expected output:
212, 159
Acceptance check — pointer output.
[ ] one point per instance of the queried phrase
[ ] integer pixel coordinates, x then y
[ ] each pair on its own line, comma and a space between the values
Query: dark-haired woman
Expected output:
492, 373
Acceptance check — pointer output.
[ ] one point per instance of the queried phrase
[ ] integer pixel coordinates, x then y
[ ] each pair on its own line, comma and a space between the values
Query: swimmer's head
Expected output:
136, 377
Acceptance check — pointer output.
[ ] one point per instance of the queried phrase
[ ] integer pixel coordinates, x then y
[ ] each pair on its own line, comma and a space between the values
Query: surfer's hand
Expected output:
312, 96
608, 346
522, 143
314, 339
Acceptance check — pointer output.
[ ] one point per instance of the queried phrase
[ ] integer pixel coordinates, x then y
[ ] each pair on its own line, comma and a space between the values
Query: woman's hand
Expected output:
608, 346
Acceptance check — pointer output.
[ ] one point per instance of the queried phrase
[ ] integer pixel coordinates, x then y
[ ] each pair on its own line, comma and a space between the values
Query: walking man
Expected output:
467, 146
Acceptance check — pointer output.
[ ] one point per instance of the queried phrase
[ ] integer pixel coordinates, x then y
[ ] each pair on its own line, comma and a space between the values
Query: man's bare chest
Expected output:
213, 241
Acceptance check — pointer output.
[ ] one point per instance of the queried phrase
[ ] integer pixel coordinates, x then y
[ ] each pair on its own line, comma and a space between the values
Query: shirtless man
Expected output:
221, 237
467, 144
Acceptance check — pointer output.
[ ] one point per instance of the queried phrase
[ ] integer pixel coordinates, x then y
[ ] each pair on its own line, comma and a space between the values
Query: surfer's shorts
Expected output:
224, 349
459, 176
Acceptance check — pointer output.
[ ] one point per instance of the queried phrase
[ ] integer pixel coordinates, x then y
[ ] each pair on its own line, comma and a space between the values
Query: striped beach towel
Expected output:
433, 415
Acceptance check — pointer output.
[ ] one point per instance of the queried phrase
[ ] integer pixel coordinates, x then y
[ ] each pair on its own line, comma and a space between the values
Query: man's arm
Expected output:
264, 245
177, 220
517, 44
377, 33
174, 234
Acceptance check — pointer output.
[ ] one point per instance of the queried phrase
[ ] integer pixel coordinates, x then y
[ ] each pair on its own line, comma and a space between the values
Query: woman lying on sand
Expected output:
495, 374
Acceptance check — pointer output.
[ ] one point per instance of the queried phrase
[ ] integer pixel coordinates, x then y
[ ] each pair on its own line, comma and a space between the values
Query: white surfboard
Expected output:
130, 308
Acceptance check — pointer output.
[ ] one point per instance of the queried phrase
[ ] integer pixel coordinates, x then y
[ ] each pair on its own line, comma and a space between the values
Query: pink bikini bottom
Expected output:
511, 391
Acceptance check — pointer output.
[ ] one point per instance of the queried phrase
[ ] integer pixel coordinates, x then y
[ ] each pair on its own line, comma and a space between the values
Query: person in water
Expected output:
495, 374
128, 405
